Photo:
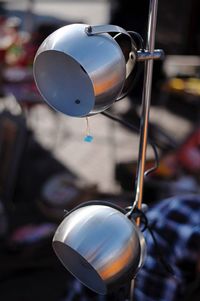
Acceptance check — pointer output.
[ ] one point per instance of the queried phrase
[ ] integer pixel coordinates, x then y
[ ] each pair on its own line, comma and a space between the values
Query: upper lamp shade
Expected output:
100, 246
77, 74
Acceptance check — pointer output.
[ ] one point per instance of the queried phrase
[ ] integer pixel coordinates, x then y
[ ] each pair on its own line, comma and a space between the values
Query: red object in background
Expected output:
5, 40
188, 155
186, 158
8, 36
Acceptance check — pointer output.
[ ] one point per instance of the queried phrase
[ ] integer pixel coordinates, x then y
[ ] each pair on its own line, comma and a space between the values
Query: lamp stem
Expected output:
146, 99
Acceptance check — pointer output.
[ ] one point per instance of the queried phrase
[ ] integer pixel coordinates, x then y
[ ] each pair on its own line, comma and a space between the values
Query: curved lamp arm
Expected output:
155, 54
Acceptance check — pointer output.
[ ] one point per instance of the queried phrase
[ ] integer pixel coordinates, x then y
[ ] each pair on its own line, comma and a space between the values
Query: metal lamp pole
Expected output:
146, 100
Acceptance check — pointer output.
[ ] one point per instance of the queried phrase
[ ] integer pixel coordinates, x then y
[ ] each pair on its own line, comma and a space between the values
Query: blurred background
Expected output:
45, 165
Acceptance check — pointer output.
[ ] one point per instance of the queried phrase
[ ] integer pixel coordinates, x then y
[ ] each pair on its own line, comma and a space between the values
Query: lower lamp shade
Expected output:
100, 246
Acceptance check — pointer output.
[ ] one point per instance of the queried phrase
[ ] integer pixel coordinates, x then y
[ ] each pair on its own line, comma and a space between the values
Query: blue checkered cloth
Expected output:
176, 227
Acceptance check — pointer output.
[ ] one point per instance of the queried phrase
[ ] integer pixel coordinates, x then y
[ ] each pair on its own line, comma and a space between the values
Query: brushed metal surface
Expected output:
78, 74
100, 246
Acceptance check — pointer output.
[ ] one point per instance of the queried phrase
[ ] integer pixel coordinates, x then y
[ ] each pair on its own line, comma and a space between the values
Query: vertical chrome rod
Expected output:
146, 99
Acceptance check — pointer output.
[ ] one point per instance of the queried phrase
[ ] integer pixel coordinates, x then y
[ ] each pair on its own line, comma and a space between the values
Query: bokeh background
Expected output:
45, 165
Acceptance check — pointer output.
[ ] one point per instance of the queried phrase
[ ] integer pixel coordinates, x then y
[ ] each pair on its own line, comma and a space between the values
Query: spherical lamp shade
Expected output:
77, 74
100, 246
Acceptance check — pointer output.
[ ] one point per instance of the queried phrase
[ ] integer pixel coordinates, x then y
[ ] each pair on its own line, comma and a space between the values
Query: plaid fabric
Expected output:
176, 226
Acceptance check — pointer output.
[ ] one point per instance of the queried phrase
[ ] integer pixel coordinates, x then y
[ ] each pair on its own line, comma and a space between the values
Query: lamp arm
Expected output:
98, 29
141, 56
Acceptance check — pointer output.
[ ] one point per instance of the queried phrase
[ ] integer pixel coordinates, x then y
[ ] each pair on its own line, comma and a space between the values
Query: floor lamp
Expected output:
81, 70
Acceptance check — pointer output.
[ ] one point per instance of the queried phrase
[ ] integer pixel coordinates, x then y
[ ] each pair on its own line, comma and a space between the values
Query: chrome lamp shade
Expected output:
80, 74
100, 246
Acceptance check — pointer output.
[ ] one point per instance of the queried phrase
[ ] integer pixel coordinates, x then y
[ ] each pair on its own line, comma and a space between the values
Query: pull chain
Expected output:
88, 137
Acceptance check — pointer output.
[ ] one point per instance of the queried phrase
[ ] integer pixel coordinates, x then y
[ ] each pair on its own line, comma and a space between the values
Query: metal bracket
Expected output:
157, 54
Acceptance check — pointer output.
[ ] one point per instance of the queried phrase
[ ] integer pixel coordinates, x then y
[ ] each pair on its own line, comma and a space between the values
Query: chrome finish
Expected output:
100, 246
77, 74
157, 54
146, 99
97, 29
130, 62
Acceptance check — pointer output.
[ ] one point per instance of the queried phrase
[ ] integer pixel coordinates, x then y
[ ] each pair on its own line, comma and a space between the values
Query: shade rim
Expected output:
78, 266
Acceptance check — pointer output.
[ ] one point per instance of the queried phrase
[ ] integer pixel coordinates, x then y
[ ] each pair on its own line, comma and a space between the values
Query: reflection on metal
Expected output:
81, 75
100, 246
157, 54
146, 99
